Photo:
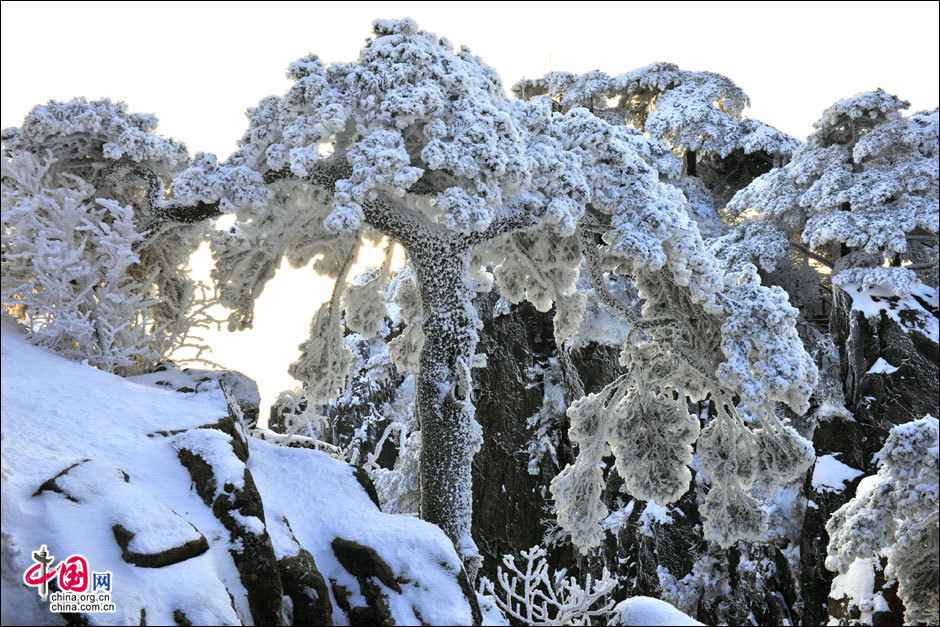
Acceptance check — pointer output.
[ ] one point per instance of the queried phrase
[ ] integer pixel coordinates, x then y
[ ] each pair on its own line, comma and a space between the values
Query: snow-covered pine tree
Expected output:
420, 144
689, 322
697, 115
862, 191
93, 249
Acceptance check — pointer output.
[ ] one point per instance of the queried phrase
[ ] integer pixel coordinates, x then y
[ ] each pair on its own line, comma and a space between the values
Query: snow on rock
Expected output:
831, 475
57, 413
193, 520
425, 570
882, 366
237, 389
649, 611
896, 323
877, 300
655, 514
860, 593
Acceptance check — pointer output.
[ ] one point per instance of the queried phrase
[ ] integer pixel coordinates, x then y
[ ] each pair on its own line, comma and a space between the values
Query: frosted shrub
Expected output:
533, 597
67, 258
895, 515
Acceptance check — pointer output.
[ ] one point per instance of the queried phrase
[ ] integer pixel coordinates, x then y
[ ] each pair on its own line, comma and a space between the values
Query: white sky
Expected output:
199, 66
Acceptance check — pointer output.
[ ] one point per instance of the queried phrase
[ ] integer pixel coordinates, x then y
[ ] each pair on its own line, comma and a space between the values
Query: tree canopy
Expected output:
419, 143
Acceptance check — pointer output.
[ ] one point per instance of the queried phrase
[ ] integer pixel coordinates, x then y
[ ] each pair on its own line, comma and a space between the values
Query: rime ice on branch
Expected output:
696, 115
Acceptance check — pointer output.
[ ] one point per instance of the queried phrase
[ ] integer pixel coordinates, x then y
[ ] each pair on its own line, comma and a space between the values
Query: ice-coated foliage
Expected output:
688, 110
66, 266
363, 299
866, 179
755, 243
895, 515
697, 136
324, 358
405, 350
896, 282
79, 132
693, 315
408, 110
94, 249
532, 596
764, 356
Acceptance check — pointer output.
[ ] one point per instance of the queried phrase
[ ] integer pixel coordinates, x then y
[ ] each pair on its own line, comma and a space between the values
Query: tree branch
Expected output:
519, 216
810, 254
323, 173
406, 227
166, 210
185, 214
589, 247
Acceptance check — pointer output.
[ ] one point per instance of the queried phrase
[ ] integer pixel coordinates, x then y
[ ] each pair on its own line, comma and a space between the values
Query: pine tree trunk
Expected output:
449, 434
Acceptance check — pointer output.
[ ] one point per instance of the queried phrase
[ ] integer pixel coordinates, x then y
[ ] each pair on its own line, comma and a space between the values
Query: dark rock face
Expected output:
370, 570
890, 397
512, 507
509, 503
855, 444
303, 583
157, 560
366, 482
179, 617
902, 389
278, 418
256, 563
363, 562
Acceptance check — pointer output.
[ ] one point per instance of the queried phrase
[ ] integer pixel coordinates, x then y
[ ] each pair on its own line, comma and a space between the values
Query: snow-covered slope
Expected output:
193, 520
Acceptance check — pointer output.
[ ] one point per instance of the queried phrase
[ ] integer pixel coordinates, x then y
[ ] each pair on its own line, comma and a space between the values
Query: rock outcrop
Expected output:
889, 361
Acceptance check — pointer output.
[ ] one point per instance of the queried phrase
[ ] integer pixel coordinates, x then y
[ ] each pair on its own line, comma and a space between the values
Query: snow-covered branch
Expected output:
533, 597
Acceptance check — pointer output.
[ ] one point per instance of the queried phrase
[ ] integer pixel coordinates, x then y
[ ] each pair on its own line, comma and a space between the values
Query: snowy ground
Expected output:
58, 413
